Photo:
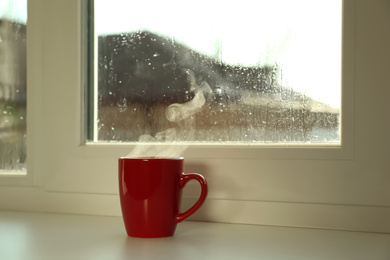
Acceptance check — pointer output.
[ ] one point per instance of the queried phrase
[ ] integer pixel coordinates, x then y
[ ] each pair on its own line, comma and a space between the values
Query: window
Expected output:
218, 72
13, 17
324, 186
60, 161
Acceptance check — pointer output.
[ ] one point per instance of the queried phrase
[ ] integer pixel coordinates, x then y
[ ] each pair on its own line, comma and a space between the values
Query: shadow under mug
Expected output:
150, 192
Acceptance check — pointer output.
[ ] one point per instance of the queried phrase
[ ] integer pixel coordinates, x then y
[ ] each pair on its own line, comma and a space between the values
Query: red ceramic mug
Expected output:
150, 194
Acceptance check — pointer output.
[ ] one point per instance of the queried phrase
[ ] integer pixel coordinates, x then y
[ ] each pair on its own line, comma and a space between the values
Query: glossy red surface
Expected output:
150, 192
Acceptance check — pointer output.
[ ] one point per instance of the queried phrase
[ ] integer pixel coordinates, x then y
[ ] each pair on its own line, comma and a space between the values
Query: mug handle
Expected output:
186, 177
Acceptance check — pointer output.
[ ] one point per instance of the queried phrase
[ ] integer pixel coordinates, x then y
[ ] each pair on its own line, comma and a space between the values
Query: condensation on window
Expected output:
219, 72
13, 16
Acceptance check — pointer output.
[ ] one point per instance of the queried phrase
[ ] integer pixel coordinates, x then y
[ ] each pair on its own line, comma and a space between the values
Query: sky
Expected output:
303, 36
14, 9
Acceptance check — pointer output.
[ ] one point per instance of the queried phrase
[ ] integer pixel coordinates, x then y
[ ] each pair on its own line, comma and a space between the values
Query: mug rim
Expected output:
151, 158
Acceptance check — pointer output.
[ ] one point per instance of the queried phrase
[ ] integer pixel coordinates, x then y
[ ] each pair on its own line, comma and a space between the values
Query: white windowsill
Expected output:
55, 236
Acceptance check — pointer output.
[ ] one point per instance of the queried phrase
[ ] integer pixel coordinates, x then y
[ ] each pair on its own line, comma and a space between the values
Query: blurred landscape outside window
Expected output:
246, 72
13, 18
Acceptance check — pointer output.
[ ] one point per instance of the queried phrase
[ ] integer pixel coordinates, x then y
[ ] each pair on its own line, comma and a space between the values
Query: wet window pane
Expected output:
218, 71
13, 17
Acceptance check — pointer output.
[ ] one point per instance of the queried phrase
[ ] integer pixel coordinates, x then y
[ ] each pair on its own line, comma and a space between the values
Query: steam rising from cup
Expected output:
168, 141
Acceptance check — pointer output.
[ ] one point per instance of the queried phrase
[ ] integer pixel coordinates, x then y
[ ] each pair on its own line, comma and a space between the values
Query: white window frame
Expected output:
341, 151
55, 103
312, 186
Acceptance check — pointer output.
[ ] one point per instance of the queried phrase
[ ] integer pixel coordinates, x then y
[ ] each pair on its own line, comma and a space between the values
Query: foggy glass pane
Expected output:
218, 71
13, 17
